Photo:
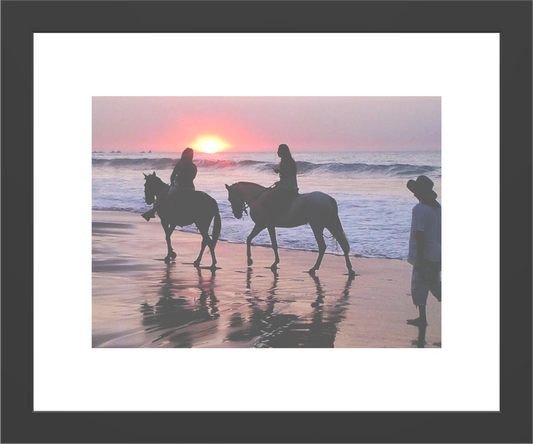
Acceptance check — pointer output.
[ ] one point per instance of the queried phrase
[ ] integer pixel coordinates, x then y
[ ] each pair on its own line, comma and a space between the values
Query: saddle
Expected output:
283, 201
184, 203
184, 198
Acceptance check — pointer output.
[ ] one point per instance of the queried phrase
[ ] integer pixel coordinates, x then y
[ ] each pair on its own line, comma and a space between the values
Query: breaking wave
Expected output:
391, 170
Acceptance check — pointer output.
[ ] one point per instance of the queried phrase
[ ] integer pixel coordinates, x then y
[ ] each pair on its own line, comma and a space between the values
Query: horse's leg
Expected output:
169, 229
212, 251
274, 242
199, 258
335, 228
206, 241
346, 250
211, 243
256, 230
318, 231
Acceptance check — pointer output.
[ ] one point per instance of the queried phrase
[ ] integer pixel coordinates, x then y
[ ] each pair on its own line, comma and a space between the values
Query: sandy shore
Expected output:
139, 301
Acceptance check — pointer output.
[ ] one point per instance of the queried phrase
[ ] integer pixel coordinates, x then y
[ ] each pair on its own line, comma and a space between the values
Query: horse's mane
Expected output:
159, 180
252, 183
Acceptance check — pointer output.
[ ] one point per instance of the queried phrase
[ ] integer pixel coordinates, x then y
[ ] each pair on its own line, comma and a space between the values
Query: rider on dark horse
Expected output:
181, 179
280, 198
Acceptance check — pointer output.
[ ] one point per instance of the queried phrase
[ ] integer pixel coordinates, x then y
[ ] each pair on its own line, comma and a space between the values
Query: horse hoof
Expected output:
173, 255
351, 274
250, 262
196, 264
167, 260
312, 272
274, 268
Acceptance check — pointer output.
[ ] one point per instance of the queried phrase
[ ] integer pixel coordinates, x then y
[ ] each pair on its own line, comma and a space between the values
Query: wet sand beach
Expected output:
139, 301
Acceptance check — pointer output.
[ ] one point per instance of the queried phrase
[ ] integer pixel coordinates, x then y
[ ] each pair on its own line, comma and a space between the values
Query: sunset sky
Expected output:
262, 123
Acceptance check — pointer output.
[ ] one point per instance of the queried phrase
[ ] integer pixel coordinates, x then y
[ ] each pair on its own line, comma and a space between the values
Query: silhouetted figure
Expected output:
280, 198
316, 209
424, 247
193, 207
182, 178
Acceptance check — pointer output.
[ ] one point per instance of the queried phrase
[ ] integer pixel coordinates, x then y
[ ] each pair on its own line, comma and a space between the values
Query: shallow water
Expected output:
370, 188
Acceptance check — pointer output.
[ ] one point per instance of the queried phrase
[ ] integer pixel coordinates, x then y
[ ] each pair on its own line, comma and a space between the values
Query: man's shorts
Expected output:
425, 280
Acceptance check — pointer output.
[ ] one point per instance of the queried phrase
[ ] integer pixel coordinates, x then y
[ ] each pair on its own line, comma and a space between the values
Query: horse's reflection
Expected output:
207, 298
263, 322
266, 327
171, 318
272, 290
319, 292
254, 296
319, 329
249, 278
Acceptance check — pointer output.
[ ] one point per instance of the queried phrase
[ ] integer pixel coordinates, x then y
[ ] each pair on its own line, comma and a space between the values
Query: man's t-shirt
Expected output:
428, 220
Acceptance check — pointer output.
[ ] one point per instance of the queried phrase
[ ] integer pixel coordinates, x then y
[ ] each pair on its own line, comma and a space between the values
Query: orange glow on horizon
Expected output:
210, 147
209, 144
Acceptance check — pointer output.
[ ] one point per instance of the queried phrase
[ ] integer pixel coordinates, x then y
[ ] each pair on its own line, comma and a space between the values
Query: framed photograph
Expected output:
113, 335
339, 203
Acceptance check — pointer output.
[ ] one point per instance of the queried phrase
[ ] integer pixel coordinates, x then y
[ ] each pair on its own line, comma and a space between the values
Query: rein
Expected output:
246, 205
162, 186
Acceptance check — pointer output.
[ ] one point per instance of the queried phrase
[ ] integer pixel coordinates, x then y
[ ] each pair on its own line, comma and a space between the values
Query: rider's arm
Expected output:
287, 169
174, 174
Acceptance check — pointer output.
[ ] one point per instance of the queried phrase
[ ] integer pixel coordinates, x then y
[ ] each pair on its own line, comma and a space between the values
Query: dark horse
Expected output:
190, 207
317, 209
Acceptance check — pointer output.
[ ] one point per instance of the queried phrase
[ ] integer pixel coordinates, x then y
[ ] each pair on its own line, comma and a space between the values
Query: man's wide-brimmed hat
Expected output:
422, 187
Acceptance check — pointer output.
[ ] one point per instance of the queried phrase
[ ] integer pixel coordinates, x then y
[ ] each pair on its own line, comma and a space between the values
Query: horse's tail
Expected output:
334, 226
217, 225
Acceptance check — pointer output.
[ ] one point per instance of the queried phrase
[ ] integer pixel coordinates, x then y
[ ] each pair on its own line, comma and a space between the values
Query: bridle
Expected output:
245, 205
154, 186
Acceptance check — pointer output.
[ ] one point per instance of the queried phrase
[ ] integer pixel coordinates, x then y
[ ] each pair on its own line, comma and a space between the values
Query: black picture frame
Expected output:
512, 19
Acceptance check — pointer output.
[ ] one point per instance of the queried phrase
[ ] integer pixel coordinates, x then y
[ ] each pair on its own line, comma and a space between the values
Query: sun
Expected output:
210, 146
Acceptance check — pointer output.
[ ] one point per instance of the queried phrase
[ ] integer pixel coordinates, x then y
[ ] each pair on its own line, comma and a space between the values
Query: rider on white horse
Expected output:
281, 196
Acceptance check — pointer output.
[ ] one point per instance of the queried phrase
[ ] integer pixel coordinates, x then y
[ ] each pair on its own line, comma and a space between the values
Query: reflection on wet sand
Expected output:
138, 301
174, 316
181, 319
316, 329
263, 322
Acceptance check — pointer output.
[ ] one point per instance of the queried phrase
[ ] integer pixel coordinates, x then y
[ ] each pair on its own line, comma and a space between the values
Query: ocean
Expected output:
370, 189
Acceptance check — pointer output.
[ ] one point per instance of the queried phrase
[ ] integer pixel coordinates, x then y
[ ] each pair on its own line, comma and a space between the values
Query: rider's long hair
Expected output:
187, 155
286, 156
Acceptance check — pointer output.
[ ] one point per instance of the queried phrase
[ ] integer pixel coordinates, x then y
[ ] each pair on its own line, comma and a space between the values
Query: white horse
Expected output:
317, 209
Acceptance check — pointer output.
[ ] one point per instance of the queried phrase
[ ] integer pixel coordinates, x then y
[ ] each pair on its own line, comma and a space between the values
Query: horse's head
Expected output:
151, 187
238, 206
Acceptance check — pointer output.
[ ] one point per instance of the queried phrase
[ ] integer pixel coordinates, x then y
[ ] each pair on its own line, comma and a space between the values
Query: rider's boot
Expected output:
149, 214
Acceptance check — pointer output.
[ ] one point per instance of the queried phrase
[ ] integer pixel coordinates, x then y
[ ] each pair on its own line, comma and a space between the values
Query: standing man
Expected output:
424, 247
